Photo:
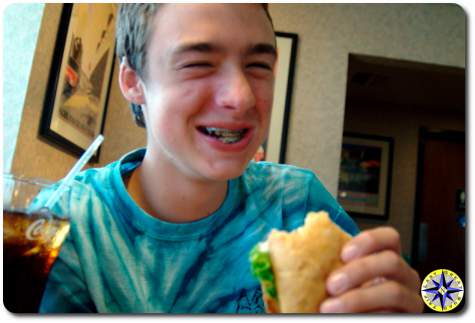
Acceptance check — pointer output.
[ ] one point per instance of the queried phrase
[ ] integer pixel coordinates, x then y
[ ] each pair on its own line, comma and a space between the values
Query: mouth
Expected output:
226, 136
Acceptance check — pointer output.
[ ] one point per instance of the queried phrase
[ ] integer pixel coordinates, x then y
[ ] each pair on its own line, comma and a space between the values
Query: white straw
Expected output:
74, 171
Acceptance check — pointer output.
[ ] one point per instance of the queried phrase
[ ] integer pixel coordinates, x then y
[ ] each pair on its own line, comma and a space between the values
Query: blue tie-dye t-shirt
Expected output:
117, 258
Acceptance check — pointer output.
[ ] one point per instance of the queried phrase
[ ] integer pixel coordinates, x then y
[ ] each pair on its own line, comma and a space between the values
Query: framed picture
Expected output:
78, 87
274, 147
365, 175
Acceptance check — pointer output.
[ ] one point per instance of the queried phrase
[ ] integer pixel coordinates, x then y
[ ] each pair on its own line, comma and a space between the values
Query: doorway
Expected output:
440, 218
396, 99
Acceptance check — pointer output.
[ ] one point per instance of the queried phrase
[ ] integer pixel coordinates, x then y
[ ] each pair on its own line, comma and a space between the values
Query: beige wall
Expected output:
402, 123
328, 33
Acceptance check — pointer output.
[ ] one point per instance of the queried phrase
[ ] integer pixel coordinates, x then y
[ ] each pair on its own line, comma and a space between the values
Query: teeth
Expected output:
229, 140
225, 135
224, 132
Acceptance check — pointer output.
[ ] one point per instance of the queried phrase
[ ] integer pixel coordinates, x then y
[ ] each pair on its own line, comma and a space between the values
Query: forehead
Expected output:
217, 23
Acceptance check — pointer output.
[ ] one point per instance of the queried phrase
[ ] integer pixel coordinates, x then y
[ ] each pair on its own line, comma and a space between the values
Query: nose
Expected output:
235, 91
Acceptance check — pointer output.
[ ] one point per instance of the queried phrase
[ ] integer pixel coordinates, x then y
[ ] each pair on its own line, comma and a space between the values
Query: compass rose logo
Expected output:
442, 290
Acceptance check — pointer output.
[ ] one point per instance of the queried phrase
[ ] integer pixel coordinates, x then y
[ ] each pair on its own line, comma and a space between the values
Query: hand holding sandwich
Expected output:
320, 268
373, 277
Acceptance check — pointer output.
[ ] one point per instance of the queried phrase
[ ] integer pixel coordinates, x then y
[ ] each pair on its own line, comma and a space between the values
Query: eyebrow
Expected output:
195, 47
203, 47
262, 48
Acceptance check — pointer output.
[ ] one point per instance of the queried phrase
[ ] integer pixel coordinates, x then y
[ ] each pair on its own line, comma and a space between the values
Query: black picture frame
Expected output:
275, 147
78, 88
364, 186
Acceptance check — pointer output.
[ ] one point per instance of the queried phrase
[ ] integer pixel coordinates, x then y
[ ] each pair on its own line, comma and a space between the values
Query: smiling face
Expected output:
208, 88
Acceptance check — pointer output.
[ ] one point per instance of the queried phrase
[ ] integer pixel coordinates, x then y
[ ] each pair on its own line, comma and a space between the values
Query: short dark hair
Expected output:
133, 29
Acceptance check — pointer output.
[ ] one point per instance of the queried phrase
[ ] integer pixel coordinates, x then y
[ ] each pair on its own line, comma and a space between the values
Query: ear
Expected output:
130, 84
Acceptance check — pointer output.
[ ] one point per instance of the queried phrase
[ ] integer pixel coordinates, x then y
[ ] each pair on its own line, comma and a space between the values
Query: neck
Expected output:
167, 194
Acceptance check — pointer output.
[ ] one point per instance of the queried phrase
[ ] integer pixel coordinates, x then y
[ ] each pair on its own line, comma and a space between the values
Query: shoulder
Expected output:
272, 178
85, 190
271, 172
278, 191
105, 179
94, 188
295, 191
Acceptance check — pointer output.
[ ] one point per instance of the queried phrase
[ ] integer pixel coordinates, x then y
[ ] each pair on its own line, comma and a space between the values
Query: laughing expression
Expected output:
208, 87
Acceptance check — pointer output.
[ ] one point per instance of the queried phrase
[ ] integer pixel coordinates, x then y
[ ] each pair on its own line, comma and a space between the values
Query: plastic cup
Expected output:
31, 242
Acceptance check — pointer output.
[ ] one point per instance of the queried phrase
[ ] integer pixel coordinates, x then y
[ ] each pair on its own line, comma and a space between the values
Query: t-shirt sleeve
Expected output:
319, 199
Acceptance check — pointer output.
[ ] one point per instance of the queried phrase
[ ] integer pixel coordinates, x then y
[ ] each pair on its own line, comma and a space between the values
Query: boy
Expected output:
168, 229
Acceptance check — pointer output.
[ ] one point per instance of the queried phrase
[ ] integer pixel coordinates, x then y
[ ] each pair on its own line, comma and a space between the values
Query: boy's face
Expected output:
209, 87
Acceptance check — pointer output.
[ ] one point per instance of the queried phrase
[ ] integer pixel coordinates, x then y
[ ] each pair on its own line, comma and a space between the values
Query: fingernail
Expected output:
349, 252
331, 306
338, 283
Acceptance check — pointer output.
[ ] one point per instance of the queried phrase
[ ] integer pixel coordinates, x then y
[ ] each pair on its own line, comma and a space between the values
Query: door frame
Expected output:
424, 135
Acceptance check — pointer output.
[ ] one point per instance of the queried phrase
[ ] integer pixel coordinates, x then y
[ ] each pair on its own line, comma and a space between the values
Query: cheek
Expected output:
264, 98
160, 117
172, 112
191, 98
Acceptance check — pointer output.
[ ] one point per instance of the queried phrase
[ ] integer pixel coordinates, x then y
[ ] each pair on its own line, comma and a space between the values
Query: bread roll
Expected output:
302, 261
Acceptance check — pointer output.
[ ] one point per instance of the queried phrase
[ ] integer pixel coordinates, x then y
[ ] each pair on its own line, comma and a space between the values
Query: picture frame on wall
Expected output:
274, 148
365, 175
77, 94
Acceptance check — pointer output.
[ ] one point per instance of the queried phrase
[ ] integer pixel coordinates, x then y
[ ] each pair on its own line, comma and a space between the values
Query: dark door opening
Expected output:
439, 221
396, 98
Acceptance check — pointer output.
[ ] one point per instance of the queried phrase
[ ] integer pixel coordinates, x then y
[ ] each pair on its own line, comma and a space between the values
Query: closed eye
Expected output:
197, 65
260, 65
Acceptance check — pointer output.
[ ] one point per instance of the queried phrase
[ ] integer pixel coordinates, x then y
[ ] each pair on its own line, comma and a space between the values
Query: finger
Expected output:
375, 281
367, 270
371, 241
387, 296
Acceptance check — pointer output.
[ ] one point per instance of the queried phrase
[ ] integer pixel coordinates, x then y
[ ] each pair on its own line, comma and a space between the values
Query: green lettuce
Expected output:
261, 268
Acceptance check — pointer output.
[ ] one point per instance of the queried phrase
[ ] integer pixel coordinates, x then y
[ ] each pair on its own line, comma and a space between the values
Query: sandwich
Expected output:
292, 267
